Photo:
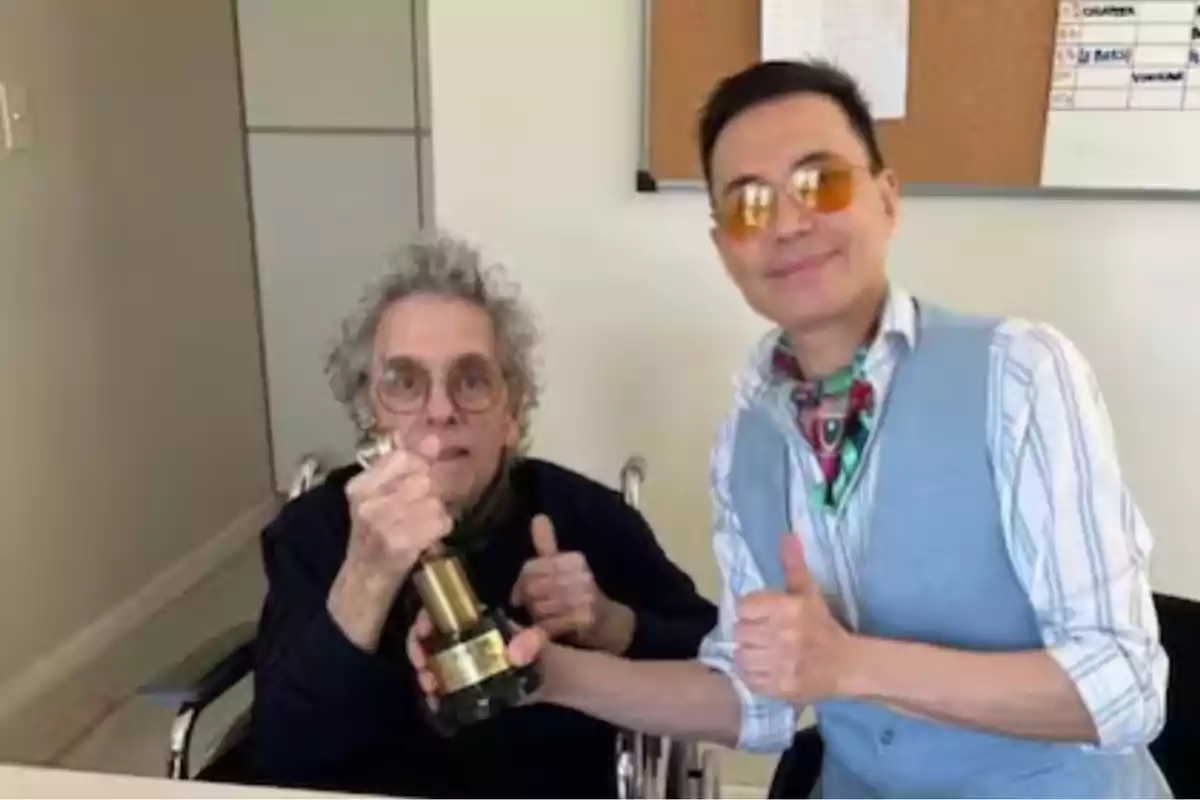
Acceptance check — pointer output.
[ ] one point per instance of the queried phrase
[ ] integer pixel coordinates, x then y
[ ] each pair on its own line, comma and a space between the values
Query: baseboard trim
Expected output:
43, 707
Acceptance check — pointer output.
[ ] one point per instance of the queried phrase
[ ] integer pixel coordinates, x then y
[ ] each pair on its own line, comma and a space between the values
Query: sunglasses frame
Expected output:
804, 185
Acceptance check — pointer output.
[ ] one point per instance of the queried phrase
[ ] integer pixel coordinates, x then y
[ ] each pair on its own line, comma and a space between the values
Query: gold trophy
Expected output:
468, 649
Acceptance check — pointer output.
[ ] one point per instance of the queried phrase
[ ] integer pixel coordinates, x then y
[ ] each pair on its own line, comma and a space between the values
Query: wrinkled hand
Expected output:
560, 592
395, 514
526, 646
787, 644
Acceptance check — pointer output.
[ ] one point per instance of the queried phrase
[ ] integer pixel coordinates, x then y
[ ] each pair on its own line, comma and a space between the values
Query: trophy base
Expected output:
474, 668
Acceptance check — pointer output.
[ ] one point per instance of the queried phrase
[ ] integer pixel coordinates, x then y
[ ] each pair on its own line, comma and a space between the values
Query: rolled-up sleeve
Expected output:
1077, 539
767, 724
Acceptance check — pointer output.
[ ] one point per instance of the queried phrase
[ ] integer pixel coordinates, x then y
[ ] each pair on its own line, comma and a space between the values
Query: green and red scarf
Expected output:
835, 414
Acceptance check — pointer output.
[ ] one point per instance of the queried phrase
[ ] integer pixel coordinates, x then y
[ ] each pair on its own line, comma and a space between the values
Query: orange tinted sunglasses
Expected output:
753, 207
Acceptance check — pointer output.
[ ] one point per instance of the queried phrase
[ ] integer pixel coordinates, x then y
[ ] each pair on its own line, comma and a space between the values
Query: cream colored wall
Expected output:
535, 120
133, 431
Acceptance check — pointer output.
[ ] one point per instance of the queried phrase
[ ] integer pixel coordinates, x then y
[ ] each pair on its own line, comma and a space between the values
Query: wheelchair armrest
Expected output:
692, 772
208, 672
659, 767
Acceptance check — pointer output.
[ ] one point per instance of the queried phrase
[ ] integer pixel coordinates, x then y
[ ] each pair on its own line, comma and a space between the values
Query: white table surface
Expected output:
19, 781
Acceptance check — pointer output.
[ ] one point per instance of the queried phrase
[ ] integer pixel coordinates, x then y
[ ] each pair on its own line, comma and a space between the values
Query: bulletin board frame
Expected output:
918, 172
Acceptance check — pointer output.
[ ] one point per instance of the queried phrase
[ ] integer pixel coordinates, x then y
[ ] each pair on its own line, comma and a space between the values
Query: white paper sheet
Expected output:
867, 38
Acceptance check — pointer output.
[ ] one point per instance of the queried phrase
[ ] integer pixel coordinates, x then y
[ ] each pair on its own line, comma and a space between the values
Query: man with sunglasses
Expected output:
440, 358
920, 518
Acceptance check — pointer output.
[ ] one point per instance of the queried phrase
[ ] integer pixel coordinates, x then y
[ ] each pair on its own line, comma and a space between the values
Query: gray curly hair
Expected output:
444, 266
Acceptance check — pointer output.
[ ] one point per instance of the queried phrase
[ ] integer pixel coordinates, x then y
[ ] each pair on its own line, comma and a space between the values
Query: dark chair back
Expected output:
1177, 749
799, 767
231, 765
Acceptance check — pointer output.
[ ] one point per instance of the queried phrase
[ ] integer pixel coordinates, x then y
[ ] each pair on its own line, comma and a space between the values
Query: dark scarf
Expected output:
475, 527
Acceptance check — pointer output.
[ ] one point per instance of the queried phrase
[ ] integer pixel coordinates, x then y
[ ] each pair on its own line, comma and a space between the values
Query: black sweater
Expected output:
328, 716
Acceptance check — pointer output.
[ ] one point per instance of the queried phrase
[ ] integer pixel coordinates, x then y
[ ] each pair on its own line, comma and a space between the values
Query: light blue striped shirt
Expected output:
1077, 542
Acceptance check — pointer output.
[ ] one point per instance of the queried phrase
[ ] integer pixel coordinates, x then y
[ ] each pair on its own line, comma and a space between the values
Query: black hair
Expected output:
771, 80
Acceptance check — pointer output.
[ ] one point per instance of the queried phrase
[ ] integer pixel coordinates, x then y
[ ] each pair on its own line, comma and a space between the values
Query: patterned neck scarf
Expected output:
835, 414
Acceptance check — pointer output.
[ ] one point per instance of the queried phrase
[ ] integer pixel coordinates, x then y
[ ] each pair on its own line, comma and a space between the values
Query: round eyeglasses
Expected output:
472, 383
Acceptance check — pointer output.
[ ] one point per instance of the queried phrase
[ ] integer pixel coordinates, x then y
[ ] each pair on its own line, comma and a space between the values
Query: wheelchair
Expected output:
646, 766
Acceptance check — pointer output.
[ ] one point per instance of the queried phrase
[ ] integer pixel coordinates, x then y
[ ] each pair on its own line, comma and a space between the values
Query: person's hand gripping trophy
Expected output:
463, 643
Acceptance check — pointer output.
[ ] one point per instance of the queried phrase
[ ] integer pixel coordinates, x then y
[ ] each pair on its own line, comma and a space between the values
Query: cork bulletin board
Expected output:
986, 80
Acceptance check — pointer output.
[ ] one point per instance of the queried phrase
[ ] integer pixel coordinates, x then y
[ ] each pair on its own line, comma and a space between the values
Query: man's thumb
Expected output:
797, 578
544, 543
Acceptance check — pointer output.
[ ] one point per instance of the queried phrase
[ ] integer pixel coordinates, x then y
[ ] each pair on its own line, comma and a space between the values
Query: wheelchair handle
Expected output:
308, 475
633, 475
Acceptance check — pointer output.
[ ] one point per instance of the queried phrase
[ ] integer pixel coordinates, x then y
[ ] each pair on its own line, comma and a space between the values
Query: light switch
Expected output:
16, 128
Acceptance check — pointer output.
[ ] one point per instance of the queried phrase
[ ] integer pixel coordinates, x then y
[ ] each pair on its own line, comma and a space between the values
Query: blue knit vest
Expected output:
935, 569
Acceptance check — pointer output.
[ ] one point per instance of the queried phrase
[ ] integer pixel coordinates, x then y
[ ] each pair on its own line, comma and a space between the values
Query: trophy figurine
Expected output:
468, 649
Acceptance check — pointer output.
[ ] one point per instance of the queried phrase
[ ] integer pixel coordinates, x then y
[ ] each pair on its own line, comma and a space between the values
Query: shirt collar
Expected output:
898, 324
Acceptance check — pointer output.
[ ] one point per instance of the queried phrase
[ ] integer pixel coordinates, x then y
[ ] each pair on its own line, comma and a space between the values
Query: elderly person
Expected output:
440, 357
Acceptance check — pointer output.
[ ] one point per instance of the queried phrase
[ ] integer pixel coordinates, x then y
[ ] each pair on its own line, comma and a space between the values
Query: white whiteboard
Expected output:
1125, 97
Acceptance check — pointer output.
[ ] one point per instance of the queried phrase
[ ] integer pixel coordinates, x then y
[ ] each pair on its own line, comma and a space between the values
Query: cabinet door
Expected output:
328, 211
323, 64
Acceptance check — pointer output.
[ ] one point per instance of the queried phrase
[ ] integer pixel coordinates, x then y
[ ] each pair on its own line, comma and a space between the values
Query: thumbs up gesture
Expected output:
560, 594
787, 644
